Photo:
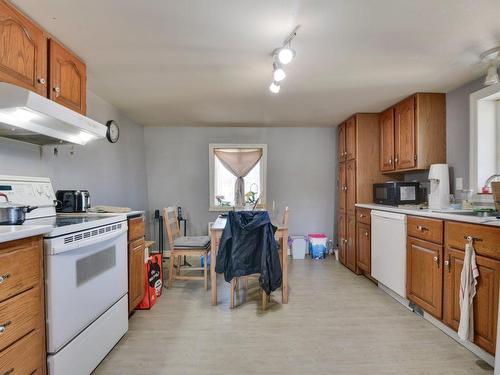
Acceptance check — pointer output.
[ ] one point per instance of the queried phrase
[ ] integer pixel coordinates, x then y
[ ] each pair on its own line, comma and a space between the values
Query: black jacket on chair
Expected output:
247, 247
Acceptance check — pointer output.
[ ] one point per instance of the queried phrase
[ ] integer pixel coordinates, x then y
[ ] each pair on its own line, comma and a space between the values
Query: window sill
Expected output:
226, 209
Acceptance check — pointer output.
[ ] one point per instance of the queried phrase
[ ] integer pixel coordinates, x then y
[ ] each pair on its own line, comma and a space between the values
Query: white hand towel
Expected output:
468, 284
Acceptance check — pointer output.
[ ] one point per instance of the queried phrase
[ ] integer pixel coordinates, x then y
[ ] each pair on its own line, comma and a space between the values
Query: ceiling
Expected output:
199, 62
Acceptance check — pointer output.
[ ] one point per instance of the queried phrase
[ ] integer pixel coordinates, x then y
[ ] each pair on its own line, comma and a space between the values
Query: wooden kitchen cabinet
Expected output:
424, 275
342, 233
342, 186
350, 198
356, 176
23, 50
363, 247
68, 78
135, 261
487, 247
418, 125
387, 140
22, 307
31, 58
350, 249
350, 138
341, 142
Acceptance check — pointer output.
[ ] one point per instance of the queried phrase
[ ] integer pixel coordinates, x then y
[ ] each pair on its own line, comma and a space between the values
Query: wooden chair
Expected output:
235, 281
180, 246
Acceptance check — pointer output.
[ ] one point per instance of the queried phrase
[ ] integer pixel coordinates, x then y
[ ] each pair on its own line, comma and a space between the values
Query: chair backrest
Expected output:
171, 224
285, 217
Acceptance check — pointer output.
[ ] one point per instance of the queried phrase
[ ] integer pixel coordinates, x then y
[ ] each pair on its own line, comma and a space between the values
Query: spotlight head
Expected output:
278, 73
285, 55
274, 87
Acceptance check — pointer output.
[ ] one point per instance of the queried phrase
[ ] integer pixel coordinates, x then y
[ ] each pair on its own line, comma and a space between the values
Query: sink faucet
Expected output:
488, 182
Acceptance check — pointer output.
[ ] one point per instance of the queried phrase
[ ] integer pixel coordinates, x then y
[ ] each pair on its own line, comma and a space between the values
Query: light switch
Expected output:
459, 183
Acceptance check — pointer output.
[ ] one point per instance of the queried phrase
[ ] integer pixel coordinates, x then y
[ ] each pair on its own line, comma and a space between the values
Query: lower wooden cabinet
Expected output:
135, 261
485, 301
342, 237
350, 249
136, 273
22, 306
487, 246
424, 275
363, 246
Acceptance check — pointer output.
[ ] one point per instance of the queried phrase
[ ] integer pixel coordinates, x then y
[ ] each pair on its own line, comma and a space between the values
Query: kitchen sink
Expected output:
478, 214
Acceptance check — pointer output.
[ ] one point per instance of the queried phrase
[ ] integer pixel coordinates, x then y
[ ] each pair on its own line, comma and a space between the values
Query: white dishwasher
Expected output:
389, 250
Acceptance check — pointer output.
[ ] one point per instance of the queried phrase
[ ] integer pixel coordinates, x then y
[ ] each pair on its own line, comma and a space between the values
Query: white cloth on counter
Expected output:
468, 284
109, 209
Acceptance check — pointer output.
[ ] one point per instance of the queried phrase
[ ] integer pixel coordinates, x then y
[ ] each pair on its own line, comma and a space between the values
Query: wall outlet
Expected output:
459, 183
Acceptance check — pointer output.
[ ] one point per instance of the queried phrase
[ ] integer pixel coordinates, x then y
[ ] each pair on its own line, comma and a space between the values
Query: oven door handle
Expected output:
61, 248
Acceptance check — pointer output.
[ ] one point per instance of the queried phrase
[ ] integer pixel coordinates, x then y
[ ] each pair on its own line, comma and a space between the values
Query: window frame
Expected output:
211, 161
487, 93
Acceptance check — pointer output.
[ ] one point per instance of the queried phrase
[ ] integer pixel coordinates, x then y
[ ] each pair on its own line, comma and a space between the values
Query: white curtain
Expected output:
239, 162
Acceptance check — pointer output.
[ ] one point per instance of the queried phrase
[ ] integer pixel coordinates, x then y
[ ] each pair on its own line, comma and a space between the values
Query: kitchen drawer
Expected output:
20, 266
426, 229
486, 238
19, 316
135, 228
24, 356
363, 215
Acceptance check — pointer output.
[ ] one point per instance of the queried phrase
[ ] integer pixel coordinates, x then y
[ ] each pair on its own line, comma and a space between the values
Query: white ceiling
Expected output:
207, 62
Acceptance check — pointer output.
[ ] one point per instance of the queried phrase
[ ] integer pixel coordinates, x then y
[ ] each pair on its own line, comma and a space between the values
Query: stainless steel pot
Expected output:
12, 213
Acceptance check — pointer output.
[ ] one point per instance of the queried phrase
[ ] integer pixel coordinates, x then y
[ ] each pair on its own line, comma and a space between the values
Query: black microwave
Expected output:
395, 193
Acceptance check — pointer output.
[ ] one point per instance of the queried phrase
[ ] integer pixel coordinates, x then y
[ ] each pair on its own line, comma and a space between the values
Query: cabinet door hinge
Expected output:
415, 157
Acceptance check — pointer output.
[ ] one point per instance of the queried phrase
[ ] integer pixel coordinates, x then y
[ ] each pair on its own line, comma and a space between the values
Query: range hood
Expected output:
29, 117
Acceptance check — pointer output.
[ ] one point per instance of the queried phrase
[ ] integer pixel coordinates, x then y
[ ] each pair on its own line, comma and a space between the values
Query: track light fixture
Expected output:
278, 74
282, 56
274, 87
492, 57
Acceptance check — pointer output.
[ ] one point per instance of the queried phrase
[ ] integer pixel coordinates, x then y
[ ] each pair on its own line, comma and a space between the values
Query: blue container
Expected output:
202, 260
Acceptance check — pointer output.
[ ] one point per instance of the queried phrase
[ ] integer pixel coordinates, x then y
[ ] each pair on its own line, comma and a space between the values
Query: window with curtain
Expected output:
237, 176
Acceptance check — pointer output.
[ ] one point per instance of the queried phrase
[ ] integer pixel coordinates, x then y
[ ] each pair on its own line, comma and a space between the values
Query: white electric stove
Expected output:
85, 267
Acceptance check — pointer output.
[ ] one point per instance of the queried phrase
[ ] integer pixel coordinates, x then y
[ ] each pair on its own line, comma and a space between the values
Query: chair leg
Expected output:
171, 270
205, 270
179, 262
233, 284
264, 300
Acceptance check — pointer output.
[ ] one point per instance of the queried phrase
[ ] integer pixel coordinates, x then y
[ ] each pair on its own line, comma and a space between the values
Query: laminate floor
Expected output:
335, 323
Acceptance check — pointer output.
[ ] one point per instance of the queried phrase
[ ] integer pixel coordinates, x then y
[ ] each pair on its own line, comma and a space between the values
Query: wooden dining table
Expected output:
281, 235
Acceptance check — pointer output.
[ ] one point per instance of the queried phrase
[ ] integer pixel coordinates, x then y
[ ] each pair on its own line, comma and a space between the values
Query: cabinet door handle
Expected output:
361, 216
4, 277
447, 263
421, 228
390, 161
436, 260
41, 81
366, 234
3, 327
396, 159
472, 239
57, 90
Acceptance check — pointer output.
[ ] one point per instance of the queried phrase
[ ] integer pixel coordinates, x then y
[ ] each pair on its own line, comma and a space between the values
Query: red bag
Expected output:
153, 282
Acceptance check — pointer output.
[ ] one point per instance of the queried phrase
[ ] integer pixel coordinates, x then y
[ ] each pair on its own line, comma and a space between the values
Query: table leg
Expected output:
284, 249
213, 275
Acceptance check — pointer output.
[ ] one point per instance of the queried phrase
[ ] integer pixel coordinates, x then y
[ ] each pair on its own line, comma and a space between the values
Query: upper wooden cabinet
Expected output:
28, 57
68, 78
341, 141
413, 133
23, 51
350, 138
387, 140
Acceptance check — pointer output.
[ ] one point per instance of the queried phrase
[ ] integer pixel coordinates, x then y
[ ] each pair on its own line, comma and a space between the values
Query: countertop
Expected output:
16, 232
444, 214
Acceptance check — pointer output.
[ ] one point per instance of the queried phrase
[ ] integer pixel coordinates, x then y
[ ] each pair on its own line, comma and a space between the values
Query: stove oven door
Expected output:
82, 283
